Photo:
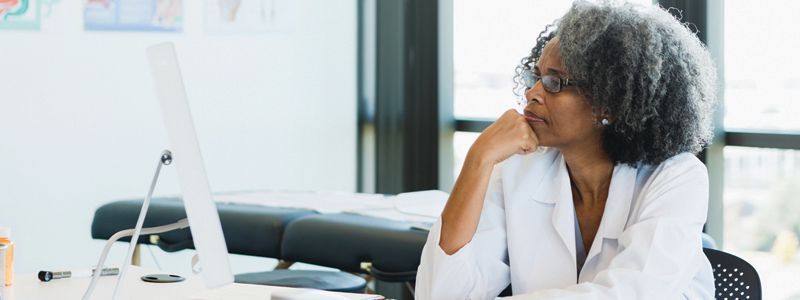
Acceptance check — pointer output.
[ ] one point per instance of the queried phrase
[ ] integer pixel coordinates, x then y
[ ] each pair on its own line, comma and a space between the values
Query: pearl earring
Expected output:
604, 122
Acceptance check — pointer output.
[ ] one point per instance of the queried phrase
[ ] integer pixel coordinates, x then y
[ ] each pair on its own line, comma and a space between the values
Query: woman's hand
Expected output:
510, 134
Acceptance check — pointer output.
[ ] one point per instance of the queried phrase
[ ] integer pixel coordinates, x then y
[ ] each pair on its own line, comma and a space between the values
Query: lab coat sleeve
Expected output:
479, 270
660, 252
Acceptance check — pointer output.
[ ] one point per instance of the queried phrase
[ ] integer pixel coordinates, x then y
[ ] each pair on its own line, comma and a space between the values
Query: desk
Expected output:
28, 287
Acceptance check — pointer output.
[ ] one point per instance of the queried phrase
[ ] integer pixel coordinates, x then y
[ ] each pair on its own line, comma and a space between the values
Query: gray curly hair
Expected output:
643, 69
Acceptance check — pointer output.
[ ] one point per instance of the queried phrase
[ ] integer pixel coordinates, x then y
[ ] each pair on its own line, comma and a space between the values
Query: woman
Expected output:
592, 192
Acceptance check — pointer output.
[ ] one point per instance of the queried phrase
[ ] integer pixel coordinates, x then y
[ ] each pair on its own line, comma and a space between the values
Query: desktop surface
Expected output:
28, 286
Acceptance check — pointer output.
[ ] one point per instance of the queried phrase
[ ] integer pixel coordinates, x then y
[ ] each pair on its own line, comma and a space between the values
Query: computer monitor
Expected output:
200, 209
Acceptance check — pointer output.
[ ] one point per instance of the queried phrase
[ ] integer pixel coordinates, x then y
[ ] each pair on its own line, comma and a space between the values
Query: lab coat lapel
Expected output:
555, 189
618, 203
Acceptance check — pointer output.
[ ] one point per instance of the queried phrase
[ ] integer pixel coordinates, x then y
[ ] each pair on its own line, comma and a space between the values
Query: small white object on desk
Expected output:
416, 207
323, 202
429, 204
28, 286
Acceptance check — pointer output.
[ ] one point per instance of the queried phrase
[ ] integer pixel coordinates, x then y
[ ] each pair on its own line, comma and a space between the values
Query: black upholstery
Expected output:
734, 278
341, 241
344, 241
249, 229
324, 280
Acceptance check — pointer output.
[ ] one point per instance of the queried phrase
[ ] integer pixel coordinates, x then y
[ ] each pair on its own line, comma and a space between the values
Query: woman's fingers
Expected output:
528, 146
529, 141
510, 134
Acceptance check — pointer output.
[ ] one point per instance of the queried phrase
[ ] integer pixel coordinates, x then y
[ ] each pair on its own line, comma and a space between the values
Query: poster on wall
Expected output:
240, 16
133, 15
20, 14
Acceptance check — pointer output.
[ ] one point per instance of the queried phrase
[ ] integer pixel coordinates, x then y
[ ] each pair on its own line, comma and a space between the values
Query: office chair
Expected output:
734, 278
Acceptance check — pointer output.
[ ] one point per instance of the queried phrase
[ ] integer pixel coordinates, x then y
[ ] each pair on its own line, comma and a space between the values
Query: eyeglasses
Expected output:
551, 83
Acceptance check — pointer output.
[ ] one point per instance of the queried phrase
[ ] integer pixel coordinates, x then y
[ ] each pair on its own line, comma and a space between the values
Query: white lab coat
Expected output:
648, 245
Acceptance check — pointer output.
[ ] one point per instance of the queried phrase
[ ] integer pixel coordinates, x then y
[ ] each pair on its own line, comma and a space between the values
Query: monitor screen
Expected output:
200, 209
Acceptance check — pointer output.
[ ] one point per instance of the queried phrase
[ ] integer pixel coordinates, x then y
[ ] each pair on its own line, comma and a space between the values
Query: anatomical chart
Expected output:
133, 15
240, 16
20, 14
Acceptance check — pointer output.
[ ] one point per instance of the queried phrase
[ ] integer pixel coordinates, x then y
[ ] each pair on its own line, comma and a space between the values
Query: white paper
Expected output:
234, 292
422, 207
323, 202
424, 203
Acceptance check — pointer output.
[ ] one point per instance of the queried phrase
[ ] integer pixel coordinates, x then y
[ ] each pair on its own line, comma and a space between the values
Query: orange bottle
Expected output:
5, 238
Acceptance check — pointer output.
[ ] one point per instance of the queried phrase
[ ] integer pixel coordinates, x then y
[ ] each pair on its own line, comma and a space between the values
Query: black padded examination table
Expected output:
249, 229
385, 249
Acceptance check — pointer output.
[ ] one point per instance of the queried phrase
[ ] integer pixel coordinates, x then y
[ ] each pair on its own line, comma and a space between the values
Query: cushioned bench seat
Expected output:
249, 229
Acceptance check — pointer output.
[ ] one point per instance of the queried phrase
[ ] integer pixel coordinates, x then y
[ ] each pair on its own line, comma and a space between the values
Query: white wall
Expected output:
80, 125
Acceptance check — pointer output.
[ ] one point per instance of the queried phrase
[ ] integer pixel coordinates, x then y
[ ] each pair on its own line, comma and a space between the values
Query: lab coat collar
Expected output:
555, 189
618, 203
552, 186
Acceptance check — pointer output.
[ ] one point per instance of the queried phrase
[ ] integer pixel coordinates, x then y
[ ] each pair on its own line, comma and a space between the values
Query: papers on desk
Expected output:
422, 207
323, 202
256, 292
309, 294
424, 203
233, 292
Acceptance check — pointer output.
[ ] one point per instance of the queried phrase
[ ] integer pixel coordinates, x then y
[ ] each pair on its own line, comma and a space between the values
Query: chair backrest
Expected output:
734, 278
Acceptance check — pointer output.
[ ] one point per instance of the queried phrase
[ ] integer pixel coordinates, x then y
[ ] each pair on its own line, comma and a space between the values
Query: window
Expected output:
462, 140
762, 84
762, 214
761, 196
489, 40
